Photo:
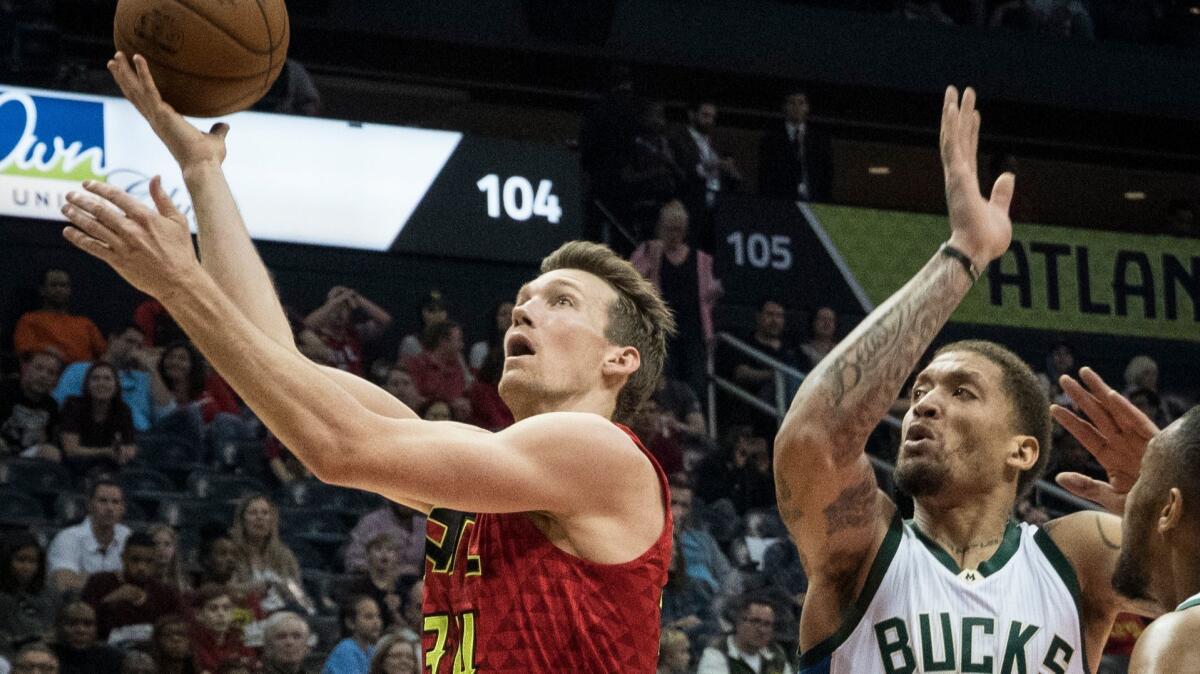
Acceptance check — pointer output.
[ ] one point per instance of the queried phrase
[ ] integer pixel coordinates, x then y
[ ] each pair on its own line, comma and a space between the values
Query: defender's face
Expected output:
556, 346
957, 431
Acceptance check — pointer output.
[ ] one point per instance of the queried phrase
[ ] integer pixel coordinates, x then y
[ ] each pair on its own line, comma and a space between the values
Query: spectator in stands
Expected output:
345, 322
433, 311
215, 639
141, 386
1059, 361
702, 556
27, 602
54, 327
750, 373
740, 473
680, 403
1141, 373
500, 320
156, 324
77, 647
395, 655
406, 528
794, 156
138, 662
684, 275
172, 645
1150, 404
440, 371
687, 604
488, 410
95, 544
264, 562
97, 426
400, 384
654, 428
35, 658
285, 644
203, 398
1182, 219
674, 653
281, 463
168, 568
822, 338
651, 176
28, 413
128, 601
414, 620
381, 578
707, 173
361, 626
435, 409
752, 645
218, 558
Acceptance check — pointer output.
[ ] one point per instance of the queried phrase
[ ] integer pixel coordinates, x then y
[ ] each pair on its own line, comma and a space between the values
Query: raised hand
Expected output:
151, 250
1117, 436
979, 227
187, 144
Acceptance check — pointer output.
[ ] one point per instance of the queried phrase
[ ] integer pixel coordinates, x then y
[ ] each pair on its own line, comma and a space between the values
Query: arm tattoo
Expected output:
853, 508
1108, 542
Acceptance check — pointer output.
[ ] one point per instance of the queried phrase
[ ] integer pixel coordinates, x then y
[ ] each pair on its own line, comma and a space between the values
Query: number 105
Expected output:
760, 251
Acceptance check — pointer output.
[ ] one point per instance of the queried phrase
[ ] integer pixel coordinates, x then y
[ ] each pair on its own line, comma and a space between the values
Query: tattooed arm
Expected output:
826, 487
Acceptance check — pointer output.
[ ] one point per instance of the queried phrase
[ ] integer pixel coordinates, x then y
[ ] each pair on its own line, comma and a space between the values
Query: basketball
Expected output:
208, 57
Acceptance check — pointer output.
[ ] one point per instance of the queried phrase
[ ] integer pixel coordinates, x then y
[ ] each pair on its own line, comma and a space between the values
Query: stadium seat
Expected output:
143, 480
186, 512
70, 508
18, 509
204, 484
309, 557
35, 476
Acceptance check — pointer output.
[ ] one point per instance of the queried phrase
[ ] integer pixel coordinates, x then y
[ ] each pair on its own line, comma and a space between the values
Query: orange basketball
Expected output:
208, 57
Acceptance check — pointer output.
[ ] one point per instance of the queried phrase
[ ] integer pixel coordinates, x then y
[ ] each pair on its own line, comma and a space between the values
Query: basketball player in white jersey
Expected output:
962, 587
1154, 481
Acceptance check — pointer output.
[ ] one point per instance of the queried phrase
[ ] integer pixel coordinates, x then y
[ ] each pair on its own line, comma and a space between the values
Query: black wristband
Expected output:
951, 251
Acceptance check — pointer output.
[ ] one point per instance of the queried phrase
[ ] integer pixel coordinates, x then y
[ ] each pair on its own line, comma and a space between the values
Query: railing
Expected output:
1043, 490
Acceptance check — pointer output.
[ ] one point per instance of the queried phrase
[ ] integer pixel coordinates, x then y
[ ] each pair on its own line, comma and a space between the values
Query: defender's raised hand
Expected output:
979, 227
151, 250
1117, 436
187, 144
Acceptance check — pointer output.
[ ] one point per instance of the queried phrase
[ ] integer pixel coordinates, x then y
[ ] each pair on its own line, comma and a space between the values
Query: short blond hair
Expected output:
638, 318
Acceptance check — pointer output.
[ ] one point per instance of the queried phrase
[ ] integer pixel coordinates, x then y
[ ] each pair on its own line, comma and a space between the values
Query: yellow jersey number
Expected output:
464, 657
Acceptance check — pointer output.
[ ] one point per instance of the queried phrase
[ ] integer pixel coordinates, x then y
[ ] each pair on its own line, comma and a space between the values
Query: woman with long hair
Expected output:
27, 603
206, 403
97, 427
394, 654
263, 559
168, 568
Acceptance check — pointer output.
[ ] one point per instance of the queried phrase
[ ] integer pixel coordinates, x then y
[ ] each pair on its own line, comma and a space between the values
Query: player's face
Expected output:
556, 348
1140, 548
958, 430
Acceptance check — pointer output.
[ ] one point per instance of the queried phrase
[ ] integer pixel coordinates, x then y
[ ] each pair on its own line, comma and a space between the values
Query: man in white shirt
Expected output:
751, 649
93, 545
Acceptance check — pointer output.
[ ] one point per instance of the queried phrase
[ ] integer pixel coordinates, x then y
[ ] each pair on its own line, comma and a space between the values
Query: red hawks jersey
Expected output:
501, 598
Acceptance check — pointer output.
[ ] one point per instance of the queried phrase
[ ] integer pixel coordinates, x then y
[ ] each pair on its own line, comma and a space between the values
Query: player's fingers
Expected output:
1002, 191
1088, 435
145, 79
1090, 405
99, 210
87, 244
89, 225
972, 141
949, 122
124, 76
133, 208
1130, 418
220, 130
1088, 488
162, 201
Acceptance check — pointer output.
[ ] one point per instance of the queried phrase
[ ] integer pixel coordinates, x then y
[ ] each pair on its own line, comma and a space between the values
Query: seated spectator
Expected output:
138, 662
172, 646
400, 384
656, 432
282, 465
406, 528
218, 556
345, 322
156, 324
823, 336
781, 567
28, 413
687, 604
677, 400
95, 544
202, 395
215, 640
381, 578
488, 410
741, 473
285, 644
395, 655
751, 647
1059, 361
264, 562
1150, 404
674, 653
168, 568
246, 665
361, 626
439, 371
751, 374
97, 427
435, 409
499, 321
413, 626
27, 603
35, 658
141, 386
685, 277
433, 311
128, 601
54, 327
702, 554
77, 647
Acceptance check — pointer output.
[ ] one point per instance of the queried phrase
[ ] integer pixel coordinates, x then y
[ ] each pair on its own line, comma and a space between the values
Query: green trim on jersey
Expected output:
879, 567
1067, 573
1009, 545
1189, 603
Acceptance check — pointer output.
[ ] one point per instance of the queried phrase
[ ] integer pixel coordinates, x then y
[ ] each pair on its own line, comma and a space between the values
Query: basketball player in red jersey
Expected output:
548, 541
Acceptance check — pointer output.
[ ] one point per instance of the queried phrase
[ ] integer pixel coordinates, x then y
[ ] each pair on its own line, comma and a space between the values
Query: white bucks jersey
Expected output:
1018, 613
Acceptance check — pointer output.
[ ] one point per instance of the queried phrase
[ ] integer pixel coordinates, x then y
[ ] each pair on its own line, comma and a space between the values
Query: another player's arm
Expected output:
1091, 541
1168, 645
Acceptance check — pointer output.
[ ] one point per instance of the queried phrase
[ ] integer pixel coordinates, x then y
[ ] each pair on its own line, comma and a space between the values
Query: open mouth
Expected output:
916, 433
518, 345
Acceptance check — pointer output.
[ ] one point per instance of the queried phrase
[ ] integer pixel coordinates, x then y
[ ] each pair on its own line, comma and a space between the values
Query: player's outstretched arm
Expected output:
825, 484
226, 250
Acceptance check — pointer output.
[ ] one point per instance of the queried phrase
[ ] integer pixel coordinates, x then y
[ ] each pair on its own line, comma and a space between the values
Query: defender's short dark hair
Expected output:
1183, 458
1030, 406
